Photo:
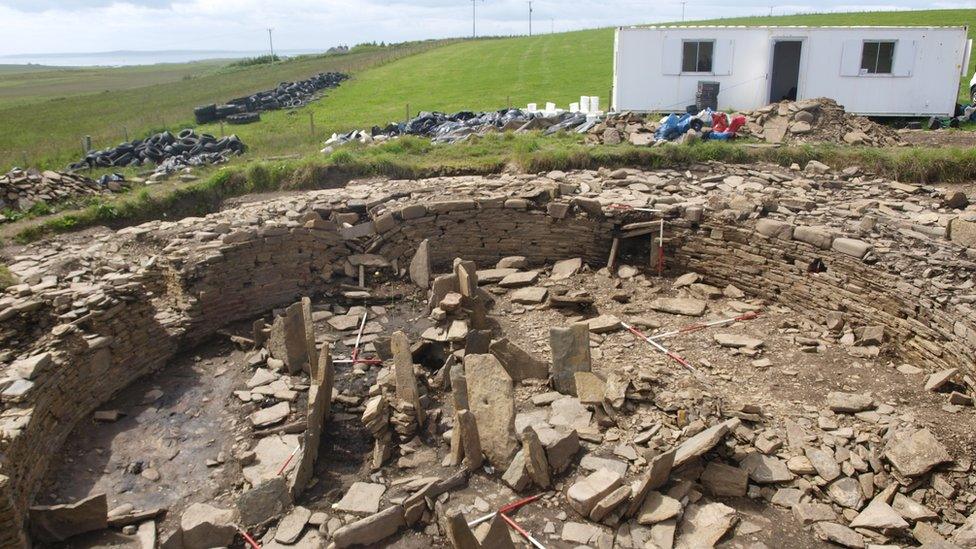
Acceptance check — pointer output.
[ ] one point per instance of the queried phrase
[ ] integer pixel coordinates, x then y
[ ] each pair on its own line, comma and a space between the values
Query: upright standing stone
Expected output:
467, 275
491, 398
466, 428
406, 381
570, 354
477, 342
420, 265
498, 536
459, 387
313, 357
535, 457
319, 404
288, 342
519, 363
459, 533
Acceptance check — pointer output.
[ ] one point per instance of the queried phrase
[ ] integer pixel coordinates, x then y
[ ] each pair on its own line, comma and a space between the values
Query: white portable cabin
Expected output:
877, 71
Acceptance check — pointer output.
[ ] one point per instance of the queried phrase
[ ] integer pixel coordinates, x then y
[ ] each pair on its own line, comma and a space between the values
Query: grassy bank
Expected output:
413, 158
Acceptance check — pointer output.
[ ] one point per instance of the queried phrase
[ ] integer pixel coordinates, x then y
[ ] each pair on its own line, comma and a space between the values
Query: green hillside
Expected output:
48, 134
470, 74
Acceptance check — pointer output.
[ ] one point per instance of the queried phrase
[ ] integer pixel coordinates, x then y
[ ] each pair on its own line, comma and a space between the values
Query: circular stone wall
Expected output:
121, 308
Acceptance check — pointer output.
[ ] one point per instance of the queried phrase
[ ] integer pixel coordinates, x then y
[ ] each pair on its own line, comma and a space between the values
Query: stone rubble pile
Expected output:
819, 120
169, 152
840, 248
791, 122
284, 95
22, 189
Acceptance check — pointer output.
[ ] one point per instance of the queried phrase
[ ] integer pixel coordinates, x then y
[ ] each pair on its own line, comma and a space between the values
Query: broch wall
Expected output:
115, 311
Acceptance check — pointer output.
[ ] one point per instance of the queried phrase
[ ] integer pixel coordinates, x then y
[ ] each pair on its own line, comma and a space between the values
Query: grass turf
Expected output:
413, 157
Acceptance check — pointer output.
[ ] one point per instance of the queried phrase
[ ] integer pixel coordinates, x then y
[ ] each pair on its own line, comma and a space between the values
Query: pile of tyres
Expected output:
245, 110
449, 128
167, 151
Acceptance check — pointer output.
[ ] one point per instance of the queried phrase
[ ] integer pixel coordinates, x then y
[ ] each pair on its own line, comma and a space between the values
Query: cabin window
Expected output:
877, 56
697, 56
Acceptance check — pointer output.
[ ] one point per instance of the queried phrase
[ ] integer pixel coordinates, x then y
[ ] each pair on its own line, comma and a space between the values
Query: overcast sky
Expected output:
48, 26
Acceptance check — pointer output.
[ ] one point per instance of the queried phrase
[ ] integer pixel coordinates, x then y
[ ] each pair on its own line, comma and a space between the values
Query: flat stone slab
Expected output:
679, 306
916, 454
735, 341
849, 402
530, 295
658, 507
704, 525
588, 491
363, 498
603, 324
54, 523
701, 443
292, 525
270, 453
839, 534
271, 415
493, 276
566, 268
764, 469
938, 380
519, 279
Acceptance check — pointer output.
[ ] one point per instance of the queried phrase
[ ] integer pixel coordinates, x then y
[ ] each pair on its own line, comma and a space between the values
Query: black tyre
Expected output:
244, 118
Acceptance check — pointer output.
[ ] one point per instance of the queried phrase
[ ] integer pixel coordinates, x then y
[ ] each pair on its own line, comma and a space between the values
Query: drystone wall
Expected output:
121, 307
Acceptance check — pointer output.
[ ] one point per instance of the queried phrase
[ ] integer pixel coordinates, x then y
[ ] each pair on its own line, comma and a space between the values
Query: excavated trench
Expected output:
198, 276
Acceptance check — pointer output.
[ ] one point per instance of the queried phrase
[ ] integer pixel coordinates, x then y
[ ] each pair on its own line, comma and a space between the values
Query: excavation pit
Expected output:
870, 319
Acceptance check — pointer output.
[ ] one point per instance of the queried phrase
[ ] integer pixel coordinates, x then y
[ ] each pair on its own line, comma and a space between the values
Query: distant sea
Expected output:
124, 58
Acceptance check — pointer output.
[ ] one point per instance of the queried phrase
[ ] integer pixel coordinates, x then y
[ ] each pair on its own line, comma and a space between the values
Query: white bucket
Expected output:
574, 107
594, 103
550, 107
584, 103
532, 107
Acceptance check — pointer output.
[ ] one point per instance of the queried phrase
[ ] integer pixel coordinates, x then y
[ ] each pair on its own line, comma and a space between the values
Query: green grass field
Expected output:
25, 84
479, 74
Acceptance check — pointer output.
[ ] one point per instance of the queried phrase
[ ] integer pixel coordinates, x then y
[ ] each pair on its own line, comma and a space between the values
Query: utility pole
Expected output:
552, 26
474, 32
683, 10
530, 17
271, 44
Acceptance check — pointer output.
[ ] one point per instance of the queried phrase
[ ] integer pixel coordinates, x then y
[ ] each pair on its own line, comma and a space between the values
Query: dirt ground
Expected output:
939, 138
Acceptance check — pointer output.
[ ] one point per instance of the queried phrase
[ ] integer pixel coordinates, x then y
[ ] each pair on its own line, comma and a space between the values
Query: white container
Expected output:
550, 107
574, 107
584, 103
594, 103
532, 107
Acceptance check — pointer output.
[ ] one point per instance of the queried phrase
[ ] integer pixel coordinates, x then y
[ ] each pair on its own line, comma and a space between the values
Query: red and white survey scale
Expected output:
684, 330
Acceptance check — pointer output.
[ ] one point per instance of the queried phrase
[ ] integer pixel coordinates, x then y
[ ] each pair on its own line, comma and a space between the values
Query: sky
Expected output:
74, 26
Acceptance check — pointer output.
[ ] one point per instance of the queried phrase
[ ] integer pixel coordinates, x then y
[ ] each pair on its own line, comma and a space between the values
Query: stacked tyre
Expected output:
161, 147
205, 113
